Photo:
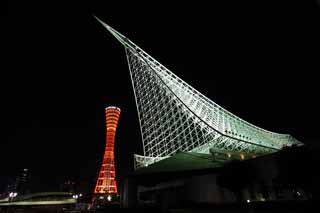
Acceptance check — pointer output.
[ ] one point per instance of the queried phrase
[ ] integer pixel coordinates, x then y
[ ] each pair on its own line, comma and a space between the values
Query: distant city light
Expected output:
109, 198
248, 201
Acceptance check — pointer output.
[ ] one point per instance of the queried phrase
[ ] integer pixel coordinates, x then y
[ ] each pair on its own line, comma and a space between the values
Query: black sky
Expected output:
60, 68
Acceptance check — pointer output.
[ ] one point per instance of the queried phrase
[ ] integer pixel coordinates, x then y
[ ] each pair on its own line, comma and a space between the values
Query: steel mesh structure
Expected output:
176, 117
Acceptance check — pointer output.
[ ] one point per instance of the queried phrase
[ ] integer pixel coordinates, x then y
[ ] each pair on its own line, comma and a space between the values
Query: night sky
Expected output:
60, 68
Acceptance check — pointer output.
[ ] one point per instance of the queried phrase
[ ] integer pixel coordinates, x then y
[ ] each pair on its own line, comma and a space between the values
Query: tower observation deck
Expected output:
175, 117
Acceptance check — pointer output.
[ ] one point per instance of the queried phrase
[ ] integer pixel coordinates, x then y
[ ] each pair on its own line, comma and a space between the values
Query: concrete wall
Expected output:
204, 189
128, 193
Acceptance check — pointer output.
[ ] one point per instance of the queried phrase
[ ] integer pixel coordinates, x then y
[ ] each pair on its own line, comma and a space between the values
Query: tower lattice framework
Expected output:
175, 117
106, 182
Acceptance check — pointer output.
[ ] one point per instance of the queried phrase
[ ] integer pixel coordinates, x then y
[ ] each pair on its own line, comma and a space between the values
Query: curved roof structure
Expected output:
176, 117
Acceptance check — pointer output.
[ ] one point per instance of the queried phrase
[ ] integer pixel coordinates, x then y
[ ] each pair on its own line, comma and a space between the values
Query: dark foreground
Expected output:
261, 207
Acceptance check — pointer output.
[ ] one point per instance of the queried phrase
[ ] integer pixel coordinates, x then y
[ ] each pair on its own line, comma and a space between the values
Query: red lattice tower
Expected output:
106, 182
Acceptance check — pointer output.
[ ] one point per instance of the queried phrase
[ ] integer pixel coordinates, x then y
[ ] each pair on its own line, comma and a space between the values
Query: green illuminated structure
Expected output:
176, 117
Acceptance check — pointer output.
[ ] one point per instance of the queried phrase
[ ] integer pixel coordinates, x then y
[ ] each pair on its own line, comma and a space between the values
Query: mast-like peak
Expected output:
121, 38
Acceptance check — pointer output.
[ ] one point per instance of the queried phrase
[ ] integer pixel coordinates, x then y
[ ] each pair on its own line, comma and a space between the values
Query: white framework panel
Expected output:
175, 117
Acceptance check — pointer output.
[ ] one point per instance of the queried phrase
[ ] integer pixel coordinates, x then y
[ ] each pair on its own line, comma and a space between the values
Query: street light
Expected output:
12, 195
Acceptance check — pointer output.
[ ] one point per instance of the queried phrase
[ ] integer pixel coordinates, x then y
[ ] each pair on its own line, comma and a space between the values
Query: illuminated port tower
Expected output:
106, 183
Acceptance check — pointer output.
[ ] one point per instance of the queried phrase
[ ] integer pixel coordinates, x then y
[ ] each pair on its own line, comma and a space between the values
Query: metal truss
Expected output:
176, 117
